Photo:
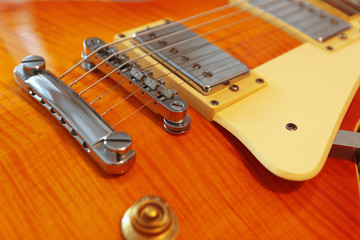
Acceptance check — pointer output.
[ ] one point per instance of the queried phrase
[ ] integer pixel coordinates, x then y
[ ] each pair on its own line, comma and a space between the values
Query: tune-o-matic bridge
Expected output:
141, 84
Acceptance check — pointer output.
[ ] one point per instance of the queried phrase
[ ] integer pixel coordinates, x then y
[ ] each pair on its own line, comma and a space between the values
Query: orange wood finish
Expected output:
51, 189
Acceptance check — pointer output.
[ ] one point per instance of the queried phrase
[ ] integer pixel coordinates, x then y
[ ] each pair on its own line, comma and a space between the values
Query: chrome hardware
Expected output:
85, 125
162, 99
203, 73
348, 139
179, 127
309, 19
150, 218
33, 65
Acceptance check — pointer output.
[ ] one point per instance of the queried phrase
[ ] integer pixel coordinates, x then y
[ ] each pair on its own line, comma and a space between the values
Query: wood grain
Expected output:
51, 189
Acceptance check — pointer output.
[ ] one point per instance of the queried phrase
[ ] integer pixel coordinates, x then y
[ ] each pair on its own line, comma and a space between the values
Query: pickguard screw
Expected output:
291, 127
152, 35
234, 88
122, 35
214, 102
207, 74
196, 66
173, 50
334, 21
260, 80
330, 48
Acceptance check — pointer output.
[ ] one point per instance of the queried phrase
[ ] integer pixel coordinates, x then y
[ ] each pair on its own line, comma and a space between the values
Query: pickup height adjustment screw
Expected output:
33, 65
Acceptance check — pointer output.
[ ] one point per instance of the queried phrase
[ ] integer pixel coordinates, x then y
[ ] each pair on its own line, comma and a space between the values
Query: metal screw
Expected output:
323, 16
207, 74
33, 65
196, 66
214, 102
118, 142
177, 105
291, 127
334, 21
260, 80
330, 48
234, 88
343, 36
122, 35
207, 88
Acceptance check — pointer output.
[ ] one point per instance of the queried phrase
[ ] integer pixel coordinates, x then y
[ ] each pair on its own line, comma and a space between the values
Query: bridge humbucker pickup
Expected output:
196, 61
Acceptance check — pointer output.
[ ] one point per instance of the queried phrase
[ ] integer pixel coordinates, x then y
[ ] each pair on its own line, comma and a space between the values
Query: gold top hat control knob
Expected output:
150, 218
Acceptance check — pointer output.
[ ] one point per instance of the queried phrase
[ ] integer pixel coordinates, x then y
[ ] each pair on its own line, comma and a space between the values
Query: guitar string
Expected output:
150, 53
184, 41
176, 85
198, 58
223, 64
139, 89
159, 28
152, 30
137, 110
142, 44
268, 21
168, 36
148, 42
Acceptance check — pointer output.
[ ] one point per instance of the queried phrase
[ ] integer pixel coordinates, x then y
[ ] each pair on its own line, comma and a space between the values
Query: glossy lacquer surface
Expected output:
51, 188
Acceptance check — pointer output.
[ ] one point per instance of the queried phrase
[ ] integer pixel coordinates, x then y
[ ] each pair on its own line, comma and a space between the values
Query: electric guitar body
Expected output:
52, 189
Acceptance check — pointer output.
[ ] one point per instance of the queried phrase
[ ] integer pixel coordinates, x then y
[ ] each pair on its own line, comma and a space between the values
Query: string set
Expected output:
169, 25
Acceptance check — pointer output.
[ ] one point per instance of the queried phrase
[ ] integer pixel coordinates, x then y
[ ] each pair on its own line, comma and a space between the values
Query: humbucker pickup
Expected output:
201, 63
